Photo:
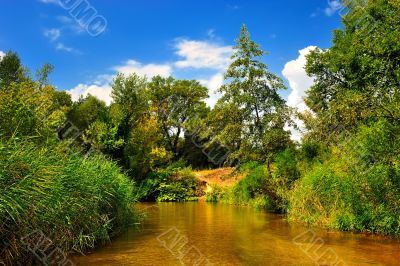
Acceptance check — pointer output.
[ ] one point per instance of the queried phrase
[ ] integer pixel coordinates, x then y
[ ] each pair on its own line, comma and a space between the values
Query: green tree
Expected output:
130, 92
11, 70
358, 78
251, 104
86, 111
176, 103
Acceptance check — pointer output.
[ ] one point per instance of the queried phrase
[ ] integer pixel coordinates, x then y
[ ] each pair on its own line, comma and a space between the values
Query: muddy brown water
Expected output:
217, 234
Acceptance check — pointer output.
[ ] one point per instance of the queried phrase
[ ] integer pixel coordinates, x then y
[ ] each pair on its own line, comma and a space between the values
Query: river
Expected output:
217, 234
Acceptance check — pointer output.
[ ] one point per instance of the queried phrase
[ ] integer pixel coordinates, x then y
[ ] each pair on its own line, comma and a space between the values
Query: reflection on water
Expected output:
217, 234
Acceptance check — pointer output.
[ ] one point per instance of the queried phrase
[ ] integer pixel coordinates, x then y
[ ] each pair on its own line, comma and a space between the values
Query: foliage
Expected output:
11, 70
26, 110
359, 191
215, 193
358, 78
176, 104
349, 164
253, 112
174, 183
86, 111
76, 202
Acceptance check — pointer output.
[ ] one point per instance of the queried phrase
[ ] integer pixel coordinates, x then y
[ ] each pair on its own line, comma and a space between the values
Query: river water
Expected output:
217, 234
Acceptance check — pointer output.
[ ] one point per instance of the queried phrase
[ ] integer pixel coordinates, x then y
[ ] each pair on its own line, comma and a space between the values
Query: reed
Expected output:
76, 202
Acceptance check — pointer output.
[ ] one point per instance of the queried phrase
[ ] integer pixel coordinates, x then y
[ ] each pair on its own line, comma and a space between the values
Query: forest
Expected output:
75, 169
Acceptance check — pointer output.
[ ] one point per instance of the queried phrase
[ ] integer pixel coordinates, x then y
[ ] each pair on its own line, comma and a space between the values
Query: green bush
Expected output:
175, 183
254, 184
358, 188
248, 166
215, 193
76, 202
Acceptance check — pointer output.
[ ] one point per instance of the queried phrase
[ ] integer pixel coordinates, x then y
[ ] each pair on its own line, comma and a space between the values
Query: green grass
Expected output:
77, 202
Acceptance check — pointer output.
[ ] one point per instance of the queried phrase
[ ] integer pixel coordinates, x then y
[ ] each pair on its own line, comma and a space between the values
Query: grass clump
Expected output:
76, 202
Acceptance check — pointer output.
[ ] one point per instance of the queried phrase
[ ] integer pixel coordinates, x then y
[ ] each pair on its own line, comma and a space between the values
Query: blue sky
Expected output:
187, 39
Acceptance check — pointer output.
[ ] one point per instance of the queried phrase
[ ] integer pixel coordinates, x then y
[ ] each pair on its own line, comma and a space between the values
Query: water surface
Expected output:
218, 234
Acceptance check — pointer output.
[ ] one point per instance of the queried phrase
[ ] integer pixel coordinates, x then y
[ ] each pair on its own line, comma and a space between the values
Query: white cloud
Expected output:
103, 92
101, 87
202, 54
52, 34
299, 83
150, 70
213, 84
61, 47
298, 79
2, 54
333, 6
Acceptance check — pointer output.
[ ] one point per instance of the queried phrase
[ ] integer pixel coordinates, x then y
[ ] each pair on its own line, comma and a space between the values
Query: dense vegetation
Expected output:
77, 201
72, 169
346, 172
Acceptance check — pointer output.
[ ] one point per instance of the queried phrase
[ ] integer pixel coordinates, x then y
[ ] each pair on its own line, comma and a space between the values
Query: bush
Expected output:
215, 193
175, 183
75, 202
254, 184
182, 185
359, 191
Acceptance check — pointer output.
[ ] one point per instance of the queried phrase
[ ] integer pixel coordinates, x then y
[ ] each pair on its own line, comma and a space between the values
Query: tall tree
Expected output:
252, 92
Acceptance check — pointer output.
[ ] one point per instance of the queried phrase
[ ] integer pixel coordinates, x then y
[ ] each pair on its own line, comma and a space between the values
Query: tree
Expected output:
130, 92
86, 111
176, 104
251, 99
43, 73
11, 70
358, 79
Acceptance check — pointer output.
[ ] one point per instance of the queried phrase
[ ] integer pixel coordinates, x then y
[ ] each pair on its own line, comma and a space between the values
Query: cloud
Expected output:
52, 34
298, 79
213, 84
70, 24
299, 83
103, 92
333, 6
61, 47
150, 70
101, 88
2, 54
202, 54
195, 54
211, 33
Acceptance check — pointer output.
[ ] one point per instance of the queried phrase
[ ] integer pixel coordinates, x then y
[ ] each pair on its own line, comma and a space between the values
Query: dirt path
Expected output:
223, 177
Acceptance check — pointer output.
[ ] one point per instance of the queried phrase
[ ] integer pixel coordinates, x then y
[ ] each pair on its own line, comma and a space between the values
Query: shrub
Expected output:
215, 193
359, 191
175, 183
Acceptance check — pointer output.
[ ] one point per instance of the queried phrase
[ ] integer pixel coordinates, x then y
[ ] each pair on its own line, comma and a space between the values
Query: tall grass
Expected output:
76, 202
